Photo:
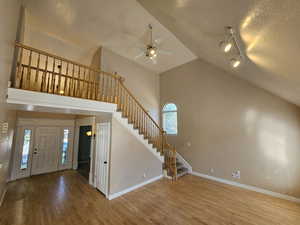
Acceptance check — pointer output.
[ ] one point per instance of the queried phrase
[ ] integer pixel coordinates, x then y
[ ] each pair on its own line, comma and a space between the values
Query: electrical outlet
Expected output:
144, 175
4, 128
211, 170
188, 144
236, 174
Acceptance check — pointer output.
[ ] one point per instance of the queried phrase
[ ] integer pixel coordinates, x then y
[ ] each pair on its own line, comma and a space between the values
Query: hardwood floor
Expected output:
65, 198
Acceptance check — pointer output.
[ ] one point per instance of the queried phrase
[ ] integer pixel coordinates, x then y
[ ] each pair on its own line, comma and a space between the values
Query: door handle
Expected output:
105, 162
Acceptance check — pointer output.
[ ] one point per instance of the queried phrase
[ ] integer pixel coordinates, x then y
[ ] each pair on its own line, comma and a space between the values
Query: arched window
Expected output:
169, 118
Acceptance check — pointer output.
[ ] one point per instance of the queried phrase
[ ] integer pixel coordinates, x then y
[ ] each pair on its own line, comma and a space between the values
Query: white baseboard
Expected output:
2, 196
118, 194
248, 187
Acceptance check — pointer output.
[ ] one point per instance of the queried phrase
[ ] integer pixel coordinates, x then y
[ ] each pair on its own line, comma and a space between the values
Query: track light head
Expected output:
230, 42
225, 46
235, 62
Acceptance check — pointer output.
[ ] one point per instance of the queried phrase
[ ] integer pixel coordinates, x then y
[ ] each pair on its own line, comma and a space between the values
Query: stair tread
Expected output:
182, 171
179, 165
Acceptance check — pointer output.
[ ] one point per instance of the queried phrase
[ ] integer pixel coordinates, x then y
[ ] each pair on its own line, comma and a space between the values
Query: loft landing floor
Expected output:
65, 198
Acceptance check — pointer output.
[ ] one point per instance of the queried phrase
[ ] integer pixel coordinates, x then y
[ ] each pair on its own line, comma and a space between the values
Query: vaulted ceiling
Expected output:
267, 29
119, 25
269, 36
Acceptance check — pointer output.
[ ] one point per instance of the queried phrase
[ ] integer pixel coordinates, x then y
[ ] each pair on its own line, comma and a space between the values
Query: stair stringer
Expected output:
135, 132
184, 162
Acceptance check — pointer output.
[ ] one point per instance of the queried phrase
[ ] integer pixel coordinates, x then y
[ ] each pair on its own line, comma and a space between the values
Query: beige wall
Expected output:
31, 114
143, 83
9, 11
232, 125
130, 159
56, 45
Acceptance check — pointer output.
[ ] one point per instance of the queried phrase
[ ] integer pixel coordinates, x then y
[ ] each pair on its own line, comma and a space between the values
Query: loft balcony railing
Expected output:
40, 71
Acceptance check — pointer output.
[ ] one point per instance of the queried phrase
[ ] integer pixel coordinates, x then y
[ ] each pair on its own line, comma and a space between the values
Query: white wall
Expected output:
9, 11
130, 160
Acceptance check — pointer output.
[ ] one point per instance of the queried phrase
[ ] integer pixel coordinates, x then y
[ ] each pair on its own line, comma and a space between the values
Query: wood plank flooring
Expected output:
65, 198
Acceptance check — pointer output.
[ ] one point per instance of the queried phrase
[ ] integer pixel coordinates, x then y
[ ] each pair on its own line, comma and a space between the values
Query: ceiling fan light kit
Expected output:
152, 49
228, 44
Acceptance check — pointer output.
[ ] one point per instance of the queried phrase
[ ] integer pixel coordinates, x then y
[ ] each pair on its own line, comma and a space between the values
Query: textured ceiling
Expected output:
119, 25
269, 35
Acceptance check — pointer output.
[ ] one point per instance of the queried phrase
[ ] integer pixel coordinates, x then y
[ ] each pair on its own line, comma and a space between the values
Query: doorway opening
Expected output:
84, 151
43, 144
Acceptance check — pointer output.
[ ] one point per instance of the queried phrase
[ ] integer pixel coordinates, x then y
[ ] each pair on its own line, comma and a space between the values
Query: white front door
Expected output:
45, 156
102, 157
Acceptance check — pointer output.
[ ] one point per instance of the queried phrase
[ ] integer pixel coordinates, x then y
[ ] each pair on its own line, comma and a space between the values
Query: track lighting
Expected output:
225, 46
235, 62
231, 41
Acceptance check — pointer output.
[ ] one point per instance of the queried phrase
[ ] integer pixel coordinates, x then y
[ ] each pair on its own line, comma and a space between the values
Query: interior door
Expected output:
46, 150
102, 157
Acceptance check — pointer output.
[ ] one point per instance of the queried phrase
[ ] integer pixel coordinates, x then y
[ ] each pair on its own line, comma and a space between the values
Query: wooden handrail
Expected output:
64, 59
142, 107
55, 73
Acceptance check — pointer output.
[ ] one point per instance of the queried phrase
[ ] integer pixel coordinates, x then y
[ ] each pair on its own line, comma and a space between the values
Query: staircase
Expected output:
37, 70
181, 169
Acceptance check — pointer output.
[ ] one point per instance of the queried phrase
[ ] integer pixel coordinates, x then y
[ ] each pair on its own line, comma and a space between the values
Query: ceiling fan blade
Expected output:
139, 55
154, 61
164, 52
158, 41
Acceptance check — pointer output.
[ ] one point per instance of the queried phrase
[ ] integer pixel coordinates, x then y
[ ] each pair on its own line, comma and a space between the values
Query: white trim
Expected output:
118, 194
2, 196
39, 122
184, 162
33, 98
248, 187
168, 111
103, 138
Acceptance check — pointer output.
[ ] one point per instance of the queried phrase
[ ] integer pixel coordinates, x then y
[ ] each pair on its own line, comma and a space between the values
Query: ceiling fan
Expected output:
152, 49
